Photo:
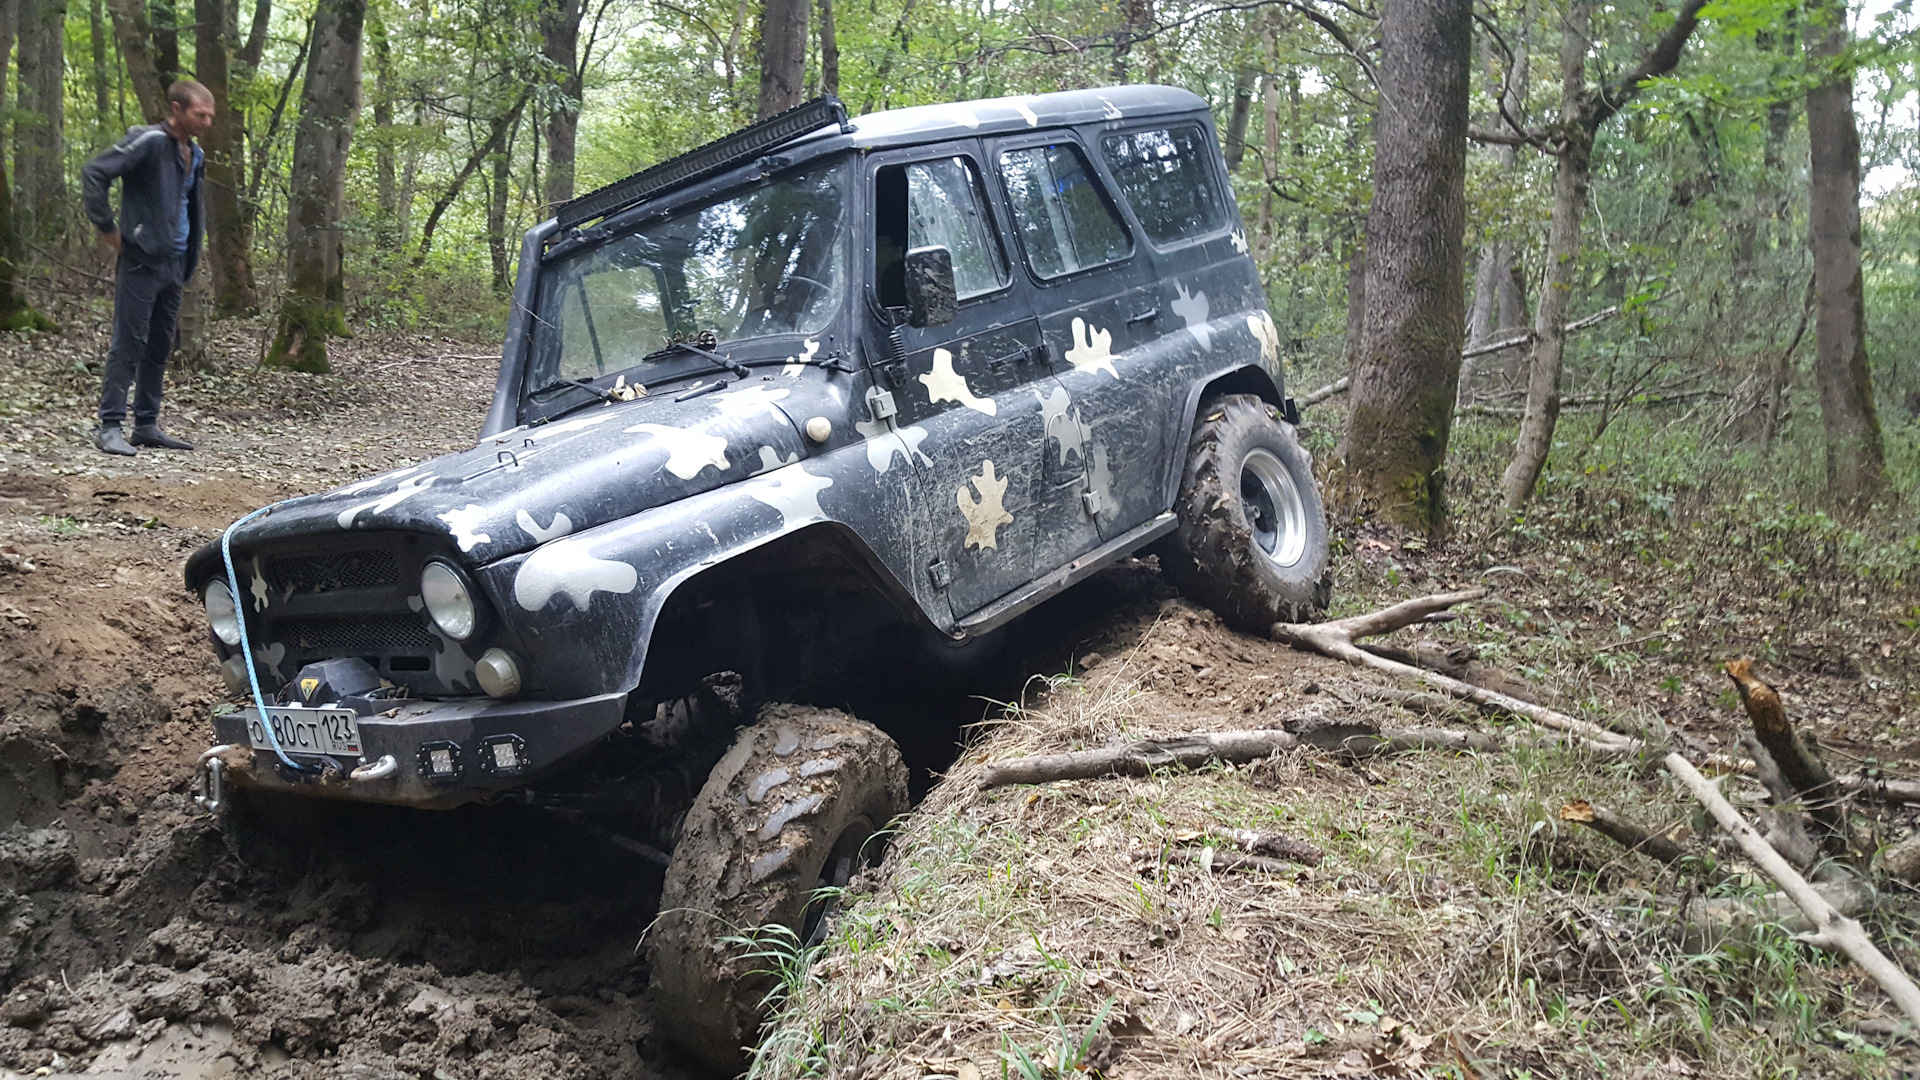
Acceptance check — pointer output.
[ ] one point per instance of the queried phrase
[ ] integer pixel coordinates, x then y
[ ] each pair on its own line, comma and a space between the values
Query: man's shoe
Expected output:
108, 438
151, 435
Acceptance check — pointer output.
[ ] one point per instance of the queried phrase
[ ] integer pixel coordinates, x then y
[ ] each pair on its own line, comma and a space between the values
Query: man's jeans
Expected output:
146, 308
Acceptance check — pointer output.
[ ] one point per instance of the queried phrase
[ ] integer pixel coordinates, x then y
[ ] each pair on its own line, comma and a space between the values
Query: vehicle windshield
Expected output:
765, 262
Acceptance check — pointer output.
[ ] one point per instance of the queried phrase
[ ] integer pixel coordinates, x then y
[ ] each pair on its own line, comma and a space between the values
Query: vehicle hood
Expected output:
523, 487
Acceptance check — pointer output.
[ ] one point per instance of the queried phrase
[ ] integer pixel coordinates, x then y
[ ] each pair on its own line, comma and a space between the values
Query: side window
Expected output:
934, 204
1063, 216
1165, 175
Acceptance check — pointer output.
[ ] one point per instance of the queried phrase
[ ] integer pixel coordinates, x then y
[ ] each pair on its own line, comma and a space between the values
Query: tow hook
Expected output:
376, 770
210, 779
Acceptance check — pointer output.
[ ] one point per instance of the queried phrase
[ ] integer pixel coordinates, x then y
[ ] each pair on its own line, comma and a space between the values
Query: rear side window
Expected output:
1166, 177
1064, 217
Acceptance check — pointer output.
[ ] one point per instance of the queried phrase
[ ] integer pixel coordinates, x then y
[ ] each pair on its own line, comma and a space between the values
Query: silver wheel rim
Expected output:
1273, 508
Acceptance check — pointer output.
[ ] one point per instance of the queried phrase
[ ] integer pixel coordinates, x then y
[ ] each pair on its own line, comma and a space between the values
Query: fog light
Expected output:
499, 676
502, 754
233, 672
440, 761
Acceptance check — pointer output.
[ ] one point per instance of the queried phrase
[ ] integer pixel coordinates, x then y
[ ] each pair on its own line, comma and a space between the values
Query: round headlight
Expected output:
220, 612
449, 601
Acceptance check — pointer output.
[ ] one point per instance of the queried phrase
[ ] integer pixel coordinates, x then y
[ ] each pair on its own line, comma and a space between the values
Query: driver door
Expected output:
964, 392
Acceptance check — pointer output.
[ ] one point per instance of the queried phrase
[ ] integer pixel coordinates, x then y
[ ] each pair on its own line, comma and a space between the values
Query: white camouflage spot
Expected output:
258, 586
1194, 310
1109, 110
1267, 335
568, 568
945, 384
561, 526
798, 364
794, 492
578, 423
1026, 112
987, 513
688, 452
1240, 242
884, 442
407, 490
770, 460
1063, 422
1092, 348
464, 523
964, 117
755, 399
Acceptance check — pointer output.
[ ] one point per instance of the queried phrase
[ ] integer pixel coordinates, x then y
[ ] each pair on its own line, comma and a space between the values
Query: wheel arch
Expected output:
1246, 379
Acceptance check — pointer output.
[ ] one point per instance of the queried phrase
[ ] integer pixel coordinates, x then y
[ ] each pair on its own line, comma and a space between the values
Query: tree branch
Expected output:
1660, 60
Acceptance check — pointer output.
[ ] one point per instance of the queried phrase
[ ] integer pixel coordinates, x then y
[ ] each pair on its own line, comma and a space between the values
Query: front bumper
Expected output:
406, 756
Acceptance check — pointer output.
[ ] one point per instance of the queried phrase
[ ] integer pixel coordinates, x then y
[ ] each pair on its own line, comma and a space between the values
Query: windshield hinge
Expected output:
880, 405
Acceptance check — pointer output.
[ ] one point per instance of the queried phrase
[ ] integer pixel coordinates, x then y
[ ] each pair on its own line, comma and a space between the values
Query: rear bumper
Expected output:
491, 746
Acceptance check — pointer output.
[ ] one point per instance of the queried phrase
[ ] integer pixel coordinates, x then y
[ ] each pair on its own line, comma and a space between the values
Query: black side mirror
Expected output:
930, 295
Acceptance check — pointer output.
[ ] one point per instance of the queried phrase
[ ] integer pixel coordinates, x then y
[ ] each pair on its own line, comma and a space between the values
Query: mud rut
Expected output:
140, 937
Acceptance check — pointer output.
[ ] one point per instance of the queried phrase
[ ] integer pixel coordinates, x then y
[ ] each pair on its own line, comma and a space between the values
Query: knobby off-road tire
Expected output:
794, 806
1252, 538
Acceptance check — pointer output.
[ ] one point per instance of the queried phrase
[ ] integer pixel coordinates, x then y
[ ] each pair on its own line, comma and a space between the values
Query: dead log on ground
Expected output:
1628, 834
1712, 920
1454, 660
1336, 639
1831, 928
1901, 862
1786, 829
1278, 845
1422, 702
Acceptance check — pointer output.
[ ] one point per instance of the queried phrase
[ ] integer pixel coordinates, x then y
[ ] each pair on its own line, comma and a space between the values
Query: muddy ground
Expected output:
140, 936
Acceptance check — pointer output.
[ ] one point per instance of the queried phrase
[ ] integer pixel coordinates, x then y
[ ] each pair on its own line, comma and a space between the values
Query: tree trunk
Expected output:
1394, 452
1356, 301
1495, 313
1571, 173
1236, 142
102, 81
783, 55
39, 129
329, 104
15, 312
1582, 111
829, 51
560, 33
1856, 462
229, 241
497, 197
249, 55
166, 40
131, 33
1269, 158
386, 229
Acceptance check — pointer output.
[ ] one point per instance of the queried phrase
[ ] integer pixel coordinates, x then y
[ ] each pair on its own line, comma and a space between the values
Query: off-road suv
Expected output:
768, 414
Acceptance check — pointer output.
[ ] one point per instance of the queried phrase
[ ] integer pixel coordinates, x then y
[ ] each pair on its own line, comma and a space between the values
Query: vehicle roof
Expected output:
1005, 115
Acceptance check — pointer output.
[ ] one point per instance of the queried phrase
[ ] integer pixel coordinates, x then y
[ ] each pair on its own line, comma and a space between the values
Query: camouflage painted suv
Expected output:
765, 412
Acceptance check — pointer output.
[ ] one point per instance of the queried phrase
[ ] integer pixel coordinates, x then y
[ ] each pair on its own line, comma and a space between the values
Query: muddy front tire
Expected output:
1252, 538
794, 806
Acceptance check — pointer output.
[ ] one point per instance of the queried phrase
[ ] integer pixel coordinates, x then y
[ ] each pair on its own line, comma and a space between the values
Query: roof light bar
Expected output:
741, 146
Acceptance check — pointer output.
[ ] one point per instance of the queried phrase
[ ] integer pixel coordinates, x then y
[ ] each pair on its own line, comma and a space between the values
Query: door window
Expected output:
1065, 220
1165, 174
935, 204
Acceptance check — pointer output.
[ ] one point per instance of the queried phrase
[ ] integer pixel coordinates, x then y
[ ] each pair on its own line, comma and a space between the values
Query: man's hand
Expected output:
110, 241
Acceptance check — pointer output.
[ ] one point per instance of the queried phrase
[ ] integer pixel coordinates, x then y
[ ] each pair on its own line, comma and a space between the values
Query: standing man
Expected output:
160, 170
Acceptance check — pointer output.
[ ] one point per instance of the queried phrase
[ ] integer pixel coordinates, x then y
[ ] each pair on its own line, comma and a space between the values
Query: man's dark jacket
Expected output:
148, 164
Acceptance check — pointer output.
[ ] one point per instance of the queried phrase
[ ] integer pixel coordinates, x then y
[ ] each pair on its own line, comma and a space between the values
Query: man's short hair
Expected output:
187, 92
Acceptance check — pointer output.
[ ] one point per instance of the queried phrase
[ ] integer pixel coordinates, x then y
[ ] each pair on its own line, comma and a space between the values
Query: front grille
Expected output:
326, 573
350, 635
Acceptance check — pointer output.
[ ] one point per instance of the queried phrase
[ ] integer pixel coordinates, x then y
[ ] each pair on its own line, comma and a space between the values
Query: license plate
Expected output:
335, 732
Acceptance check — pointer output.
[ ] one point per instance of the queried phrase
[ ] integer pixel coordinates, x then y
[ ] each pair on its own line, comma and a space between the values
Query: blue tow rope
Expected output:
246, 645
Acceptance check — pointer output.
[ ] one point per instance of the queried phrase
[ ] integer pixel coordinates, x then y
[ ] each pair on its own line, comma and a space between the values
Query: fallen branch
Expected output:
1140, 758
1337, 386
1627, 834
1278, 845
1336, 639
1420, 701
1831, 927
1712, 920
1230, 862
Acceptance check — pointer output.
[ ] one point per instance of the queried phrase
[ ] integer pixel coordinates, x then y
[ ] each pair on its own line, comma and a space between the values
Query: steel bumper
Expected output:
422, 753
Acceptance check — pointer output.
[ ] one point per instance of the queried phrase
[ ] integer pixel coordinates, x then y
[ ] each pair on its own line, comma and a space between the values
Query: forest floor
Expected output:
1452, 924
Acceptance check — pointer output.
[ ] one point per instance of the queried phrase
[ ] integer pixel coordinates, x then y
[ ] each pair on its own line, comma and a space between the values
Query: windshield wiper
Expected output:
733, 366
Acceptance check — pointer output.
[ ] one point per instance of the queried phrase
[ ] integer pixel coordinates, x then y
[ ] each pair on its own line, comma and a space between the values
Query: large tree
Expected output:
560, 48
229, 240
783, 55
15, 312
1855, 459
311, 311
44, 206
1404, 377
1583, 109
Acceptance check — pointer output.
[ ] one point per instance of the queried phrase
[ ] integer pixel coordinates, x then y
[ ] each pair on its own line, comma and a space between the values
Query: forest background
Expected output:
1643, 174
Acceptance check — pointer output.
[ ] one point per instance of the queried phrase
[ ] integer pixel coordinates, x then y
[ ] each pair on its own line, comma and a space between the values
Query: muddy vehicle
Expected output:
823, 396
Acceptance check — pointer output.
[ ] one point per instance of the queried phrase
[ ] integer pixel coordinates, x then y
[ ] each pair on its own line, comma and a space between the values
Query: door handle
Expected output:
1145, 316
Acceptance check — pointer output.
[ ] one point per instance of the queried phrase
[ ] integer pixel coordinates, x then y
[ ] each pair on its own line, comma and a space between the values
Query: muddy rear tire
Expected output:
1252, 538
795, 805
